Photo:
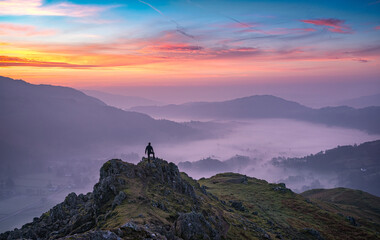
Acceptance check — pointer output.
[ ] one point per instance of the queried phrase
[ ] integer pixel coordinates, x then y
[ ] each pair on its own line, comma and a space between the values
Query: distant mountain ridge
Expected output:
210, 166
356, 167
267, 106
39, 122
246, 107
121, 101
153, 200
362, 102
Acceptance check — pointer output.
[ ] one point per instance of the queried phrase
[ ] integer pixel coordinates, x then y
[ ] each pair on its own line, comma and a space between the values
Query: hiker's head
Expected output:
149, 143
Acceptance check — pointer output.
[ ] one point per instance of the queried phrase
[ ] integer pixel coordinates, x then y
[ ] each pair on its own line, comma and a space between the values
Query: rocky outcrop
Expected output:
153, 200
237, 205
194, 225
128, 231
312, 234
79, 216
74, 214
167, 174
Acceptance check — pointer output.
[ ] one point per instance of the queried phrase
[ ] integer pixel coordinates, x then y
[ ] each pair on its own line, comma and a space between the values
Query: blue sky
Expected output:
189, 41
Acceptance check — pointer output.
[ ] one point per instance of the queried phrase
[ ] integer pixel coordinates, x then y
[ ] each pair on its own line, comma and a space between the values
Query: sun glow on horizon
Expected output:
142, 43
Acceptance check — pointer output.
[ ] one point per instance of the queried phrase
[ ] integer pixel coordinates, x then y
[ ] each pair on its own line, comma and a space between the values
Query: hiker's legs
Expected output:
153, 156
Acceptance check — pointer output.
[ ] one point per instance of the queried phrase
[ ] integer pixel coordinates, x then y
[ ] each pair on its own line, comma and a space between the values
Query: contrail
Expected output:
179, 29
231, 18
237, 21
152, 7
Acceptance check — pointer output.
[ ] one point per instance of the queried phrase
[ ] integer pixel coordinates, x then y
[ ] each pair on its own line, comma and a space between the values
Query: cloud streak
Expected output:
178, 47
332, 24
23, 30
6, 61
36, 7
179, 28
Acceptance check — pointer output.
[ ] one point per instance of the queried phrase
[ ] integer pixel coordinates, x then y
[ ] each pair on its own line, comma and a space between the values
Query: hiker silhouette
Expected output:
149, 150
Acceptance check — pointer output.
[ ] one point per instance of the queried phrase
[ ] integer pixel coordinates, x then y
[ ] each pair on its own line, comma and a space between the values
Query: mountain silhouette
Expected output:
121, 101
363, 101
267, 106
43, 122
153, 200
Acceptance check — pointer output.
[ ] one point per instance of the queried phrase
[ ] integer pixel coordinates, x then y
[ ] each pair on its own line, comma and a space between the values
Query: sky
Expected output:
116, 44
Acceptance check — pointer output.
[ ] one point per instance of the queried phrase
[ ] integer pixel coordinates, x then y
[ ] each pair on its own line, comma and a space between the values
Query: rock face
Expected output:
194, 226
153, 200
75, 214
82, 216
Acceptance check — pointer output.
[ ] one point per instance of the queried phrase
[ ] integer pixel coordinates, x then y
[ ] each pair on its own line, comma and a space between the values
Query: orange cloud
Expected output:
6, 61
25, 30
35, 7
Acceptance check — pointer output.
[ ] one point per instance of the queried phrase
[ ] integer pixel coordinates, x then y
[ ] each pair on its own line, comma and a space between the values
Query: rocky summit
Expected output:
153, 200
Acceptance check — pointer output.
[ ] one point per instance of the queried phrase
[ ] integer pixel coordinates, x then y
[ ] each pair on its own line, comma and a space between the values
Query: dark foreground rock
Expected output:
85, 216
153, 200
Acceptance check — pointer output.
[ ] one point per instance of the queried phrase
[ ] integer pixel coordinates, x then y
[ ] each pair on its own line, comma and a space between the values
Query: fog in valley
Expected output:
260, 141
56, 140
254, 141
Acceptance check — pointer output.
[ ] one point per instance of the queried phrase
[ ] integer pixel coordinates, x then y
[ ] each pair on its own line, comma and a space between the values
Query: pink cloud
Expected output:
305, 29
228, 53
362, 60
377, 28
332, 24
25, 30
36, 7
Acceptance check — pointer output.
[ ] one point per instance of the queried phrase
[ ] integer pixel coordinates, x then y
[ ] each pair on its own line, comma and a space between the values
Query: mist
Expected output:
260, 141
66, 136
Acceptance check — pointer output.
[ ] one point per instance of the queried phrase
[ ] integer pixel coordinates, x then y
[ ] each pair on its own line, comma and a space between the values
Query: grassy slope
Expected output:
141, 204
270, 210
364, 207
283, 212
138, 208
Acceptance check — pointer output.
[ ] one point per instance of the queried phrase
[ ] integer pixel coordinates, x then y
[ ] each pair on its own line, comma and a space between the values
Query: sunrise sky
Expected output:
84, 43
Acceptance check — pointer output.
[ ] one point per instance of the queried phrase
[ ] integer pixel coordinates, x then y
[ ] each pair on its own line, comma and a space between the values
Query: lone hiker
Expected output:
149, 150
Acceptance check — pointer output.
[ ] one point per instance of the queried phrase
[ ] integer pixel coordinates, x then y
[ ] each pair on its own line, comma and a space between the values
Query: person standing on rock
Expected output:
149, 150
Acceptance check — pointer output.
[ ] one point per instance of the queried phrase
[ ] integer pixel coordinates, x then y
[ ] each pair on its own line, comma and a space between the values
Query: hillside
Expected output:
259, 106
209, 166
153, 200
267, 106
355, 167
363, 207
42, 122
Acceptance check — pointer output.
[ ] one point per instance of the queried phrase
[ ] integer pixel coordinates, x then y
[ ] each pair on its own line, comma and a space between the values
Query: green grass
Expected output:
364, 207
269, 208
280, 212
